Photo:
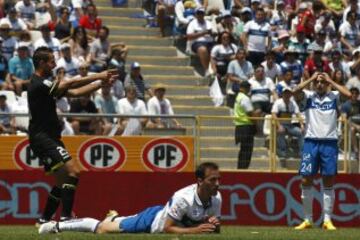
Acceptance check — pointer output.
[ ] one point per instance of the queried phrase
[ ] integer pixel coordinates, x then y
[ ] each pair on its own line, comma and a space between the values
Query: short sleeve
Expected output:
246, 27
190, 29
275, 107
247, 105
271, 84
214, 51
177, 208
231, 67
143, 110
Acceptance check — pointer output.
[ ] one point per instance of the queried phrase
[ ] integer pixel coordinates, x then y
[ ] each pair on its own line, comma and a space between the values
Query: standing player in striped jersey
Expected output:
320, 149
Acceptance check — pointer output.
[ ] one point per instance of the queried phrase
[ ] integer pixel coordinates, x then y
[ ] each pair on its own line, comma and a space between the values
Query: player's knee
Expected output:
307, 181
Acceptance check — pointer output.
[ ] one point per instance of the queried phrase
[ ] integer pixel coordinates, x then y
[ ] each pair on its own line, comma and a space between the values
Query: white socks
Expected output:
307, 199
328, 202
79, 225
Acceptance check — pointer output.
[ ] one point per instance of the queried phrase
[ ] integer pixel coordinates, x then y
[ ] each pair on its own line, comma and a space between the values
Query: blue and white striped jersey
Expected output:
321, 115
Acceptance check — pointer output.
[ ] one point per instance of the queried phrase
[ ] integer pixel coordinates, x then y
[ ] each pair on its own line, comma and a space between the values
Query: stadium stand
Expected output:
140, 41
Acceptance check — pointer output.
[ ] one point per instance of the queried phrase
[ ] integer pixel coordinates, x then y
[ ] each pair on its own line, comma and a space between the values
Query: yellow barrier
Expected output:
215, 142
139, 154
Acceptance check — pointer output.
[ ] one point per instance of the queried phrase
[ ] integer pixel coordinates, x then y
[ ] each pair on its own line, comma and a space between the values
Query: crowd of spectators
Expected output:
81, 46
274, 45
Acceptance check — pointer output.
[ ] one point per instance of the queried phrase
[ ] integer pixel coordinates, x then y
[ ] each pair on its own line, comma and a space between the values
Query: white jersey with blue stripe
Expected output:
321, 115
186, 209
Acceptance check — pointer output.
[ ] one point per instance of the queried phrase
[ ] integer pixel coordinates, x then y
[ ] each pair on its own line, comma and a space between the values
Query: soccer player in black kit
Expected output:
45, 128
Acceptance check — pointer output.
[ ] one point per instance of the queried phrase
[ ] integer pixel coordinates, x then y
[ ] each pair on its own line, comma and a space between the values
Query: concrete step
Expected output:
119, 12
141, 40
173, 80
216, 131
165, 70
219, 141
191, 100
179, 90
103, 3
222, 152
123, 21
133, 31
152, 51
224, 120
201, 110
164, 61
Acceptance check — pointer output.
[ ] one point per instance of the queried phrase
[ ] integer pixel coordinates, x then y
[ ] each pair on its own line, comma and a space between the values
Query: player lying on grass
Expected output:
193, 209
320, 149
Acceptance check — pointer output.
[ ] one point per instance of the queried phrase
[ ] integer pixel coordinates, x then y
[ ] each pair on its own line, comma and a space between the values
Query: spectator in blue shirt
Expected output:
20, 69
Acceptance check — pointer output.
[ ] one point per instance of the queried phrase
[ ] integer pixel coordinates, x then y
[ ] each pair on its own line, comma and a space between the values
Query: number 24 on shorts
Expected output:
306, 167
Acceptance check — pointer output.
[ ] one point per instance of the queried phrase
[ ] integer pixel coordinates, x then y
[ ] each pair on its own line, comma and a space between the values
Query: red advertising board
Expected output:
248, 198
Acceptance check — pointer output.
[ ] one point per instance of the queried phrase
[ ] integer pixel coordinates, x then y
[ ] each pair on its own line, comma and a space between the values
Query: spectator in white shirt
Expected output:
68, 62
261, 90
159, 105
286, 107
199, 33
349, 31
131, 105
257, 38
48, 41
16, 24
184, 13
26, 9
271, 68
221, 55
9, 43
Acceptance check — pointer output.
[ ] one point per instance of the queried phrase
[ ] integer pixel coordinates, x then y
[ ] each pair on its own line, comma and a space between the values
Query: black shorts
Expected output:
51, 151
196, 45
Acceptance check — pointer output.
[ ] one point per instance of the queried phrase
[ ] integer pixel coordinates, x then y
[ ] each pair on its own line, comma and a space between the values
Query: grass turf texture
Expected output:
228, 232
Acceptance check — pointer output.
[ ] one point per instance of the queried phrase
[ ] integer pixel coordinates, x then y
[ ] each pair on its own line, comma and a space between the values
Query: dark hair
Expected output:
354, 89
222, 34
260, 9
351, 14
62, 10
201, 169
84, 42
41, 54
91, 5
115, 51
107, 30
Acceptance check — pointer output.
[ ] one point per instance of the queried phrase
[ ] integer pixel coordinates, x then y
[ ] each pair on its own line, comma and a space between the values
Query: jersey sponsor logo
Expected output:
165, 155
24, 157
102, 154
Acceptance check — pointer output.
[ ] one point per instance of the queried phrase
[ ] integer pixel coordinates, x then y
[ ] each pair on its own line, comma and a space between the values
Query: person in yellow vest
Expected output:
244, 127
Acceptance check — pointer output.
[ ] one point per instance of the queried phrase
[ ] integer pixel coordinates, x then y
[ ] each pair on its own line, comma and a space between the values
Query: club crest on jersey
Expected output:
47, 83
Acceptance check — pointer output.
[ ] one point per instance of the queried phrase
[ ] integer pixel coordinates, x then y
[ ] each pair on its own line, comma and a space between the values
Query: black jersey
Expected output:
42, 106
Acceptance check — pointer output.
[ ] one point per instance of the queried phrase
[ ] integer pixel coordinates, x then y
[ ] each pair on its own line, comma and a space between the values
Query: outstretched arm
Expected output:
105, 76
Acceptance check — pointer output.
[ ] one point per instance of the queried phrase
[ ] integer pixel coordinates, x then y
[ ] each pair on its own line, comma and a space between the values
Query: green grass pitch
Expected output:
227, 232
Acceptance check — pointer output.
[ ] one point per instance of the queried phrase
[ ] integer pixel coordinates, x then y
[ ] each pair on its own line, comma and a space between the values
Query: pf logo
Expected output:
24, 156
102, 154
165, 155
